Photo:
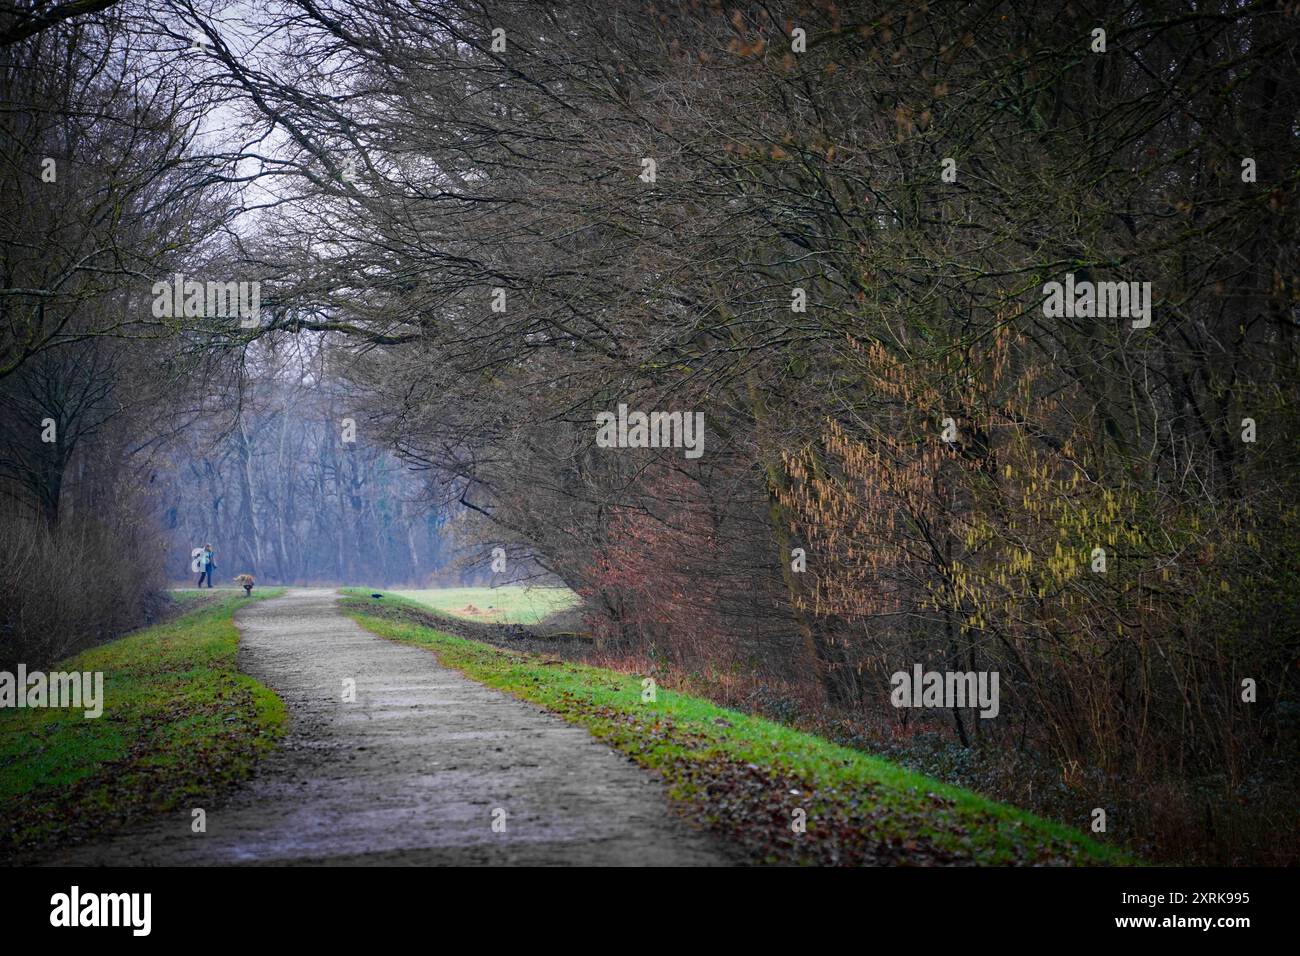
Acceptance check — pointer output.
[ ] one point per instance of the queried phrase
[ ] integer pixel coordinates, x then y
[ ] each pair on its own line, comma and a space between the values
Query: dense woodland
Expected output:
828, 227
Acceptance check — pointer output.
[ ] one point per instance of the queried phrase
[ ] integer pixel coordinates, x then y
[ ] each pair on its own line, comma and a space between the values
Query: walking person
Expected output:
207, 565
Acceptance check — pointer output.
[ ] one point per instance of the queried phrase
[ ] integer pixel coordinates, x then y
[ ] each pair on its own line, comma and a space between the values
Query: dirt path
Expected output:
412, 771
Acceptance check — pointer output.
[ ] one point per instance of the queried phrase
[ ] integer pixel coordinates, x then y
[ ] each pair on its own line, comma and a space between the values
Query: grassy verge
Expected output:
194, 597
745, 777
179, 723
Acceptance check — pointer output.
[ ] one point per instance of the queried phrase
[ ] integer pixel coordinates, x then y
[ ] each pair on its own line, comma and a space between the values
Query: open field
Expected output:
512, 604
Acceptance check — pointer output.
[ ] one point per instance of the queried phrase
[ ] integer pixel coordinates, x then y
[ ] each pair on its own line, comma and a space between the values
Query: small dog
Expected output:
247, 581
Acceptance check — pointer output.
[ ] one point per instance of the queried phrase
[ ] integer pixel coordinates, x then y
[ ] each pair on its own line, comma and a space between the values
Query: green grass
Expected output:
512, 604
189, 596
735, 773
179, 723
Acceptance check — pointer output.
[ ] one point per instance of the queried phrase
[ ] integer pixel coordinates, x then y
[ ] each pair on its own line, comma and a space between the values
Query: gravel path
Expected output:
412, 772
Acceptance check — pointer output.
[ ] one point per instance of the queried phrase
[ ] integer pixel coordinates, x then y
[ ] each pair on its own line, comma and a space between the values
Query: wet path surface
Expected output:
412, 771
